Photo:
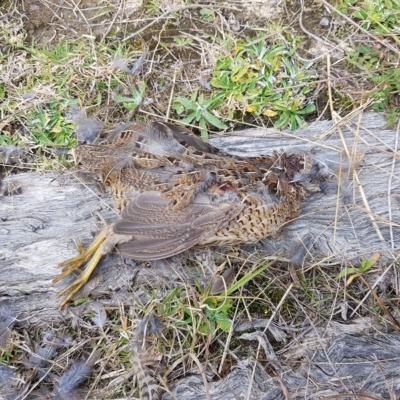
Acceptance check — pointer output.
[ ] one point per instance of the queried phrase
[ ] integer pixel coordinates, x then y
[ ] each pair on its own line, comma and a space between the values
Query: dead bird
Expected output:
176, 191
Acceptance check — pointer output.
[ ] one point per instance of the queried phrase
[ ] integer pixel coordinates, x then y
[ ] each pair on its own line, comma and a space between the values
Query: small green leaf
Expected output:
224, 324
189, 105
347, 272
123, 99
213, 120
179, 108
282, 121
189, 119
307, 110
203, 129
81, 300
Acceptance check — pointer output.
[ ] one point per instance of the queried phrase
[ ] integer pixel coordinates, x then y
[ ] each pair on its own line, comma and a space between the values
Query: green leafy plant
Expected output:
381, 15
182, 42
265, 81
217, 308
201, 312
199, 109
207, 14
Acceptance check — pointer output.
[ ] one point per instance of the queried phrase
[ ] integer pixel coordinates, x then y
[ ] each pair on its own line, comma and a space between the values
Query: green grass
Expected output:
37, 92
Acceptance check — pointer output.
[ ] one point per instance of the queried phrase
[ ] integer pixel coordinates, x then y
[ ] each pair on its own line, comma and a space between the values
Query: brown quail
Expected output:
176, 192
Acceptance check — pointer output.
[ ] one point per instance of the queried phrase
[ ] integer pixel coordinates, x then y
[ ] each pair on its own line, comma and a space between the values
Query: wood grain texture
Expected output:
39, 225
353, 235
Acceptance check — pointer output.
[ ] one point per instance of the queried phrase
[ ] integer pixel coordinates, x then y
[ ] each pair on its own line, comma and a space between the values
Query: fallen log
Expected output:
47, 213
355, 215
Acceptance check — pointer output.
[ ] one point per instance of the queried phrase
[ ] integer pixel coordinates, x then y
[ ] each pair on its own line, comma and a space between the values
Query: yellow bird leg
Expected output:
74, 264
93, 254
82, 279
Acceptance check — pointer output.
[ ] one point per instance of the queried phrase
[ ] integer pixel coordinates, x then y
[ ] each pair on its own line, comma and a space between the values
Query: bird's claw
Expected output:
93, 254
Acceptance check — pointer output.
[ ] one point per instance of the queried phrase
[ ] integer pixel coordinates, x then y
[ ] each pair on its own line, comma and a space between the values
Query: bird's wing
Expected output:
160, 232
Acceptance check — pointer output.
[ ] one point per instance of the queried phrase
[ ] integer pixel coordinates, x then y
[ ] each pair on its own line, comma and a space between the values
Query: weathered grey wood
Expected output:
347, 365
355, 234
39, 225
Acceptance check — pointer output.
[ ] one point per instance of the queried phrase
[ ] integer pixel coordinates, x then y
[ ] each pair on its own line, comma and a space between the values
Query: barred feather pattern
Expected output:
148, 385
250, 198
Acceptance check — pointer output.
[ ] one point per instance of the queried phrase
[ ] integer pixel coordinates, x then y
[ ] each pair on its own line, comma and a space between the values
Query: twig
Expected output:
373, 287
394, 322
390, 185
173, 10
328, 67
335, 118
171, 96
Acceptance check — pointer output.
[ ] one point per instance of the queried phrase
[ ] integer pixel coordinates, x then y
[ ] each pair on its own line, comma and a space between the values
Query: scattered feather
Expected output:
15, 394
10, 384
148, 386
88, 128
67, 386
69, 382
222, 282
100, 315
29, 96
7, 320
11, 155
51, 340
6, 374
121, 63
40, 358
148, 326
204, 83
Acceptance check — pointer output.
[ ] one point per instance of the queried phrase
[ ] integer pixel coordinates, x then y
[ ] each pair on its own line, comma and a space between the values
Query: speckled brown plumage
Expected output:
176, 192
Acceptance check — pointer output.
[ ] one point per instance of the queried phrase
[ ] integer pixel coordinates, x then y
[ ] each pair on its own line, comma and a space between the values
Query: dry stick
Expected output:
228, 342
337, 117
360, 188
117, 13
390, 152
344, 120
328, 66
317, 38
390, 184
376, 39
394, 322
347, 395
173, 10
171, 96
374, 286
203, 375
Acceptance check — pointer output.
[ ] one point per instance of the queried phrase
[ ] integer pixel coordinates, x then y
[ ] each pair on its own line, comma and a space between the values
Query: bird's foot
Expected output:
92, 253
